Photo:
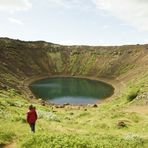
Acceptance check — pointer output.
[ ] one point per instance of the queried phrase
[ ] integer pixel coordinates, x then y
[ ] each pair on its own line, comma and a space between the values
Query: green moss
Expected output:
57, 63
87, 64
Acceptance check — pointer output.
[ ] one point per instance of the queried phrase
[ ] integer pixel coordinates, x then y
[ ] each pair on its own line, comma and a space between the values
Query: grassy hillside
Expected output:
120, 121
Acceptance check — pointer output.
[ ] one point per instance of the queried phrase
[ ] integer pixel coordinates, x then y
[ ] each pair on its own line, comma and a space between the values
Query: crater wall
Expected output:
21, 61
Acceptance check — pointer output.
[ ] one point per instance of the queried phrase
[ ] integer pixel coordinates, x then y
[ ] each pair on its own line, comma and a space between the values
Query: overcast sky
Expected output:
87, 22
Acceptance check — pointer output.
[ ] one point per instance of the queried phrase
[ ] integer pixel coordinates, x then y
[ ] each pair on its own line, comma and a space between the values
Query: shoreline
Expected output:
115, 83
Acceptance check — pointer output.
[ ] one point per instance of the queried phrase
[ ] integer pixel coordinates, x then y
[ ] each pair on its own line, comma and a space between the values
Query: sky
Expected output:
76, 22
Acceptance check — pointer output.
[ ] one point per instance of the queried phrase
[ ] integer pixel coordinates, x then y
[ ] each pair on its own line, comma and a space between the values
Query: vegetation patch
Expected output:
65, 140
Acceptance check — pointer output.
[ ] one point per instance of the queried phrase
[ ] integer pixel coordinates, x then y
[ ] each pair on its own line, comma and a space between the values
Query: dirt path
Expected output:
12, 145
138, 109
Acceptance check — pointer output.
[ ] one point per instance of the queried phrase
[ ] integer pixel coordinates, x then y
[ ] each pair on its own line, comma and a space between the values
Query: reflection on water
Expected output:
52, 85
62, 90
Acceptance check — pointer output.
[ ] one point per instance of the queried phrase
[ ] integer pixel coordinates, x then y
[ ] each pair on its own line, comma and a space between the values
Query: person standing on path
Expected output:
32, 117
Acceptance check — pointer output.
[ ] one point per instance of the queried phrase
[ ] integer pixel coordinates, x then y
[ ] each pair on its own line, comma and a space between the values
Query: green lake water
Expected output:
60, 90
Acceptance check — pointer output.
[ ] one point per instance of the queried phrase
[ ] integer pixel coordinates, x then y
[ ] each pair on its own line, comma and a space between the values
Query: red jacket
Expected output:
31, 116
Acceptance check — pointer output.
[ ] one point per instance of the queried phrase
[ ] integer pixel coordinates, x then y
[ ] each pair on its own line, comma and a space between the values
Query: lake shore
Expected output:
115, 83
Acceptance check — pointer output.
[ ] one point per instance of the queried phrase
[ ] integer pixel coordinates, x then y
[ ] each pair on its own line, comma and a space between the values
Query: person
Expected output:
32, 117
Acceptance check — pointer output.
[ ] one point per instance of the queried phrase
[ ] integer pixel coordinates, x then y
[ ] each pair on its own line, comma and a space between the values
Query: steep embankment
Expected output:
21, 61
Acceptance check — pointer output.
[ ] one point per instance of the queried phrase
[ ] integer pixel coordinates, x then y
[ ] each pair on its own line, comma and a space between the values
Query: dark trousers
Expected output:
32, 126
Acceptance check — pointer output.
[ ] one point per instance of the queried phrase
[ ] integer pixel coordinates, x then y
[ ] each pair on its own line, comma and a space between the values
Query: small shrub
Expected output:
132, 94
6, 137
